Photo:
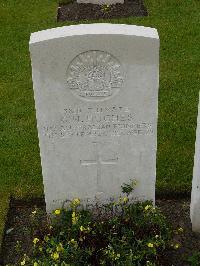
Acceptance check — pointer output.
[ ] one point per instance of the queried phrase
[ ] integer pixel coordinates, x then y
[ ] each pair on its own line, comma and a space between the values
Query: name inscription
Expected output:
97, 121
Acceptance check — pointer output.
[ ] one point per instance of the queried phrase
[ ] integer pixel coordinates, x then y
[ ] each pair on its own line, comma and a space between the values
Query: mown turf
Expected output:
178, 26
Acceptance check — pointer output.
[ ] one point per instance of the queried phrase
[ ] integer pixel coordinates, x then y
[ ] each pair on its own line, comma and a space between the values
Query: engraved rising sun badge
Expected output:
94, 75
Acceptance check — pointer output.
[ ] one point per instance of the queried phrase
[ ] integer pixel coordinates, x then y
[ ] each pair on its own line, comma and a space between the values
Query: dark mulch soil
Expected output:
177, 212
18, 236
75, 12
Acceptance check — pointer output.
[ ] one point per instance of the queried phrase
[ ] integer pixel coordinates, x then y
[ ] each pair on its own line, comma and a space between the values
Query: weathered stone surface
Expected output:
195, 197
96, 93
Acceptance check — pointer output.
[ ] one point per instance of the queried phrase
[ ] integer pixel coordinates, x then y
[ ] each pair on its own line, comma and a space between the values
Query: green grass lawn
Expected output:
178, 26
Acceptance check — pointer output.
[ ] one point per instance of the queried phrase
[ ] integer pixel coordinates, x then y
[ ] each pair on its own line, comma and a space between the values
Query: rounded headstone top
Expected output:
93, 29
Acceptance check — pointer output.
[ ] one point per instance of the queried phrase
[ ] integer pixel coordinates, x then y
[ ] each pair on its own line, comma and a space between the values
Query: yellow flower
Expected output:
82, 228
59, 248
35, 240
73, 242
35, 264
125, 199
180, 230
55, 255
176, 246
82, 238
23, 262
34, 212
57, 212
117, 256
46, 238
134, 183
147, 207
76, 202
150, 245
74, 218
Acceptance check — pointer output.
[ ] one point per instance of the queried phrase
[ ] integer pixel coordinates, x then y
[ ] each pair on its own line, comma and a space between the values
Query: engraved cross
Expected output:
98, 161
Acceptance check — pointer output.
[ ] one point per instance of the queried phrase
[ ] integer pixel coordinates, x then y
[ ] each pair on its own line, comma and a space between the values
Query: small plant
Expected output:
128, 188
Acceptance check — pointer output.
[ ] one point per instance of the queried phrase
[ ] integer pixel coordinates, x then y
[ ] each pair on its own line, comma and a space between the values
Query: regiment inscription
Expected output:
97, 121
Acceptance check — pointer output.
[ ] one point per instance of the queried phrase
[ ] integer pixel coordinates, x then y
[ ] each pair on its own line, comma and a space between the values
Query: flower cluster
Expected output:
119, 232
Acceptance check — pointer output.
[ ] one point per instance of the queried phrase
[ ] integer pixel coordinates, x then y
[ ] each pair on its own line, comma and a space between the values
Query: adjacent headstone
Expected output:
96, 97
101, 2
195, 197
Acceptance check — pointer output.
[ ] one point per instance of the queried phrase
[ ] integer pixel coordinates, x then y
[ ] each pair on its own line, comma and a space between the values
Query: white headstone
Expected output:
96, 93
101, 2
195, 197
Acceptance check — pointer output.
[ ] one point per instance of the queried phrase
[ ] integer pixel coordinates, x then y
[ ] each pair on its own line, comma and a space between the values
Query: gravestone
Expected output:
96, 93
195, 196
100, 2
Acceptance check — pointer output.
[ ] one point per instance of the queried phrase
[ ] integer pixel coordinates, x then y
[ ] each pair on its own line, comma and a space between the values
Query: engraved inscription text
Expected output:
97, 122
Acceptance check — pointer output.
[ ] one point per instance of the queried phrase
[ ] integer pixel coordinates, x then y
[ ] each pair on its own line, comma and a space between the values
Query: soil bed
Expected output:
75, 12
18, 229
